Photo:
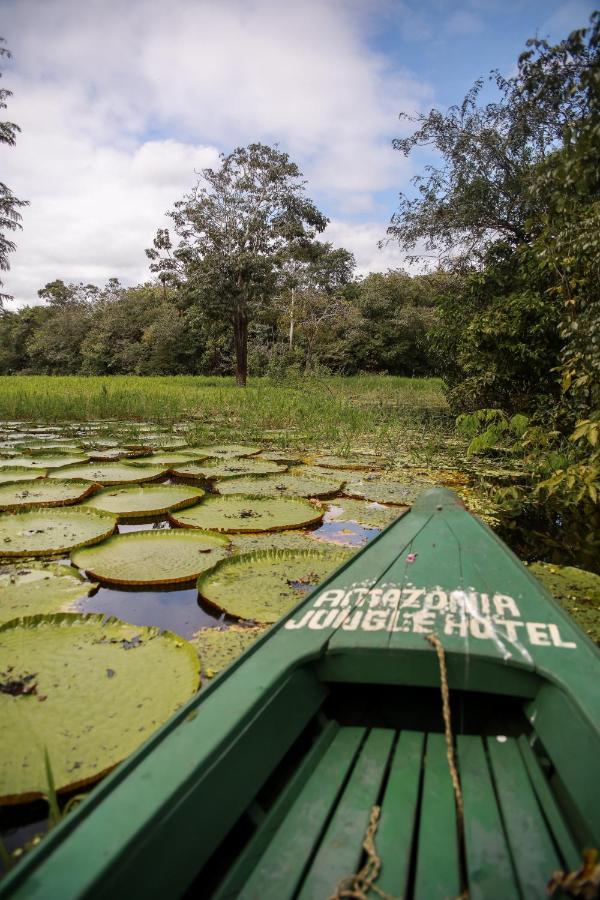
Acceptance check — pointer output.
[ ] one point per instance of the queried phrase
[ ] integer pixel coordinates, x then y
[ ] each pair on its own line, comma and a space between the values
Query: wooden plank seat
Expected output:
515, 834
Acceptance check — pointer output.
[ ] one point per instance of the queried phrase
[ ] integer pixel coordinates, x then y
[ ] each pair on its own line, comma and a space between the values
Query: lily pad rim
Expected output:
319, 510
73, 619
146, 535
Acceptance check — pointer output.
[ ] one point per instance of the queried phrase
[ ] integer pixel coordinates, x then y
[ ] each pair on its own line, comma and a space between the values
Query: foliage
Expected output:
234, 228
479, 194
10, 217
496, 340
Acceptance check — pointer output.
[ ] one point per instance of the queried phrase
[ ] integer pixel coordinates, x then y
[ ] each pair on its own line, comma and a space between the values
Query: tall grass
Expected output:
332, 410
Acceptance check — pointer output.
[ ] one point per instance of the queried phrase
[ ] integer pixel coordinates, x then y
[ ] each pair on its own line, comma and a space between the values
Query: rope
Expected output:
460, 810
357, 887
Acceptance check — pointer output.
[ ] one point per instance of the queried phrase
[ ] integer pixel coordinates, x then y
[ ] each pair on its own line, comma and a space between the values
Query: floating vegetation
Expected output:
295, 485
47, 532
133, 501
241, 514
575, 589
400, 493
280, 540
151, 557
236, 467
110, 454
345, 462
169, 460
40, 588
43, 461
285, 457
262, 586
372, 515
112, 473
218, 647
11, 474
227, 450
86, 690
43, 492
41, 448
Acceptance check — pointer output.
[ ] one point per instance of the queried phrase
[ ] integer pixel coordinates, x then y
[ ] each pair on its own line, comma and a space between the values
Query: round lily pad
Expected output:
241, 513
192, 471
151, 557
400, 493
372, 515
345, 462
109, 454
46, 532
280, 540
233, 468
132, 500
43, 492
226, 450
54, 449
263, 586
20, 473
112, 473
281, 486
40, 588
43, 461
218, 647
163, 459
87, 692
285, 457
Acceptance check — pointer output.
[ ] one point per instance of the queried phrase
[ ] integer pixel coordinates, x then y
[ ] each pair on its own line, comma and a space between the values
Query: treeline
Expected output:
380, 323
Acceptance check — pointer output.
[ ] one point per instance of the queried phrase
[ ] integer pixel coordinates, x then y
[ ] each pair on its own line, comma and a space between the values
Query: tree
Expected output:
233, 229
312, 270
479, 194
10, 217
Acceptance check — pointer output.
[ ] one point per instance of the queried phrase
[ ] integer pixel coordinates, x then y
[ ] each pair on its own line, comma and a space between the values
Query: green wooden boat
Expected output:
264, 785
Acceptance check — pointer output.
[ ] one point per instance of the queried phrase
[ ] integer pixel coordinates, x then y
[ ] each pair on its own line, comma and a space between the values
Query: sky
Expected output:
122, 103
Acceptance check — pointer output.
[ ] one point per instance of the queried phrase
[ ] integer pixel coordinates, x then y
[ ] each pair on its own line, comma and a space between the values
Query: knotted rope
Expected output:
357, 886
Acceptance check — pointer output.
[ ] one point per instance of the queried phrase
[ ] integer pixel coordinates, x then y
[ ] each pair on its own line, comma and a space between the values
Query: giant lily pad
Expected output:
281, 540
40, 588
54, 449
20, 473
400, 493
43, 492
233, 468
218, 647
372, 515
346, 462
226, 450
132, 500
151, 557
46, 532
112, 473
169, 460
110, 454
281, 486
263, 586
86, 690
241, 513
43, 461
284, 457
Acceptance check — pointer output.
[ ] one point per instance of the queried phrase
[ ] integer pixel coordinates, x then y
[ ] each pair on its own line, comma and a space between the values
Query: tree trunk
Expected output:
291, 338
240, 342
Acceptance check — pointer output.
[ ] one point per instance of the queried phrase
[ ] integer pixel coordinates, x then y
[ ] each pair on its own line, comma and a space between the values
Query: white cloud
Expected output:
120, 102
362, 240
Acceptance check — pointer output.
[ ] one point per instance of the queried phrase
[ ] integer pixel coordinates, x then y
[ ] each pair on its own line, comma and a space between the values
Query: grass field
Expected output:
334, 411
